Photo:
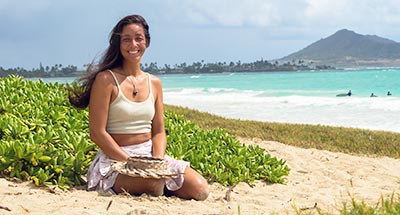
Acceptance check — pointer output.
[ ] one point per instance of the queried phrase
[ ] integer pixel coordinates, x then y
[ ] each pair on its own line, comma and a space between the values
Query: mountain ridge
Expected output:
346, 48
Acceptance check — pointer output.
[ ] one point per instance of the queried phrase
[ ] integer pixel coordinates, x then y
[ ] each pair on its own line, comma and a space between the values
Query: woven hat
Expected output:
145, 167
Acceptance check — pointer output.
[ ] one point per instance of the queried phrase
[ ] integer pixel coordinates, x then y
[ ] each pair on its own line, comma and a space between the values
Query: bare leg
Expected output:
194, 186
138, 186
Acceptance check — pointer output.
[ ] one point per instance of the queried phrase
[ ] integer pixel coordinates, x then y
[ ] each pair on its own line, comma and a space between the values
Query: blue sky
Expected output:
75, 32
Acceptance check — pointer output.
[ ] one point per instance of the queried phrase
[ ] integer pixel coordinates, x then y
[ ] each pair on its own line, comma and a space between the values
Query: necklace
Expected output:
135, 92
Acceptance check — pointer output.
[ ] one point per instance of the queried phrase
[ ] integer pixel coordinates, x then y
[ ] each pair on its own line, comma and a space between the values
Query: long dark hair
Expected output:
112, 58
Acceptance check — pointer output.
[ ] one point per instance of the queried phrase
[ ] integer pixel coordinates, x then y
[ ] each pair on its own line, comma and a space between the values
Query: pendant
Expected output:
135, 92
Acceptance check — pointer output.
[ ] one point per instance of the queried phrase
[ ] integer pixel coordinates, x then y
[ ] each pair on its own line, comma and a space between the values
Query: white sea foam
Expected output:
381, 113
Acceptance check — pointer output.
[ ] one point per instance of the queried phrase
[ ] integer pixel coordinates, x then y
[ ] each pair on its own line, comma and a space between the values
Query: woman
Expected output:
126, 118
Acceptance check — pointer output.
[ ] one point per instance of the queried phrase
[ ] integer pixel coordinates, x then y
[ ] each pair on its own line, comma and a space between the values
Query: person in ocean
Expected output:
389, 93
126, 118
344, 94
373, 95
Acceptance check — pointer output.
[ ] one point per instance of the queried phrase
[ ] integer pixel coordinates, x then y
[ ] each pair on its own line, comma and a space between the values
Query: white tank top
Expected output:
128, 117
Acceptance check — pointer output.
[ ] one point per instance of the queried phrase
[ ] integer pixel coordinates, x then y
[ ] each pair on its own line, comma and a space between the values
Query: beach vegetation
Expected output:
45, 140
219, 156
385, 206
389, 205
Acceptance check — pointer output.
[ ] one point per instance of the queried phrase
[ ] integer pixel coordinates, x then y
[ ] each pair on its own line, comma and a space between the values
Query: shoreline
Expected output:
317, 177
283, 110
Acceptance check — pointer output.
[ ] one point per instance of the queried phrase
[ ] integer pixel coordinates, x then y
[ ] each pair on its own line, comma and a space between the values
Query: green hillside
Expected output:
348, 48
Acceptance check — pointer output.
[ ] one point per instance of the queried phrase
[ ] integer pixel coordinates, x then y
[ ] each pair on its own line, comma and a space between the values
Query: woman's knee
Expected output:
202, 190
155, 187
197, 185
138, 186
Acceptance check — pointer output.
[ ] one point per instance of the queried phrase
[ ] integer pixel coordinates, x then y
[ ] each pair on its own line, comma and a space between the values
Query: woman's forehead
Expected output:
132, 29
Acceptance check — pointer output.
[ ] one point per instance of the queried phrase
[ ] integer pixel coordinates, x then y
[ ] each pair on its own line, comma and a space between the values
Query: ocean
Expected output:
304, 97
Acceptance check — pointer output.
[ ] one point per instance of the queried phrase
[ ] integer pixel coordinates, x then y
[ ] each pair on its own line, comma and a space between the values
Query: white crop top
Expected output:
128, 117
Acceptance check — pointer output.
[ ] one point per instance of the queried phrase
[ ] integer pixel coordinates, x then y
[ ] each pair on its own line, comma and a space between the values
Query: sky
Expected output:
76, 32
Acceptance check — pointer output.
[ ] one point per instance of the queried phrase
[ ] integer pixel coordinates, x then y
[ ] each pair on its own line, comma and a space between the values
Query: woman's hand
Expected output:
159, 157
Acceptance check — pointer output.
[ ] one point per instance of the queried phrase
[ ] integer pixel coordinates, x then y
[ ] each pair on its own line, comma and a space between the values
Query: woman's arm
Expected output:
100, 98
159, 138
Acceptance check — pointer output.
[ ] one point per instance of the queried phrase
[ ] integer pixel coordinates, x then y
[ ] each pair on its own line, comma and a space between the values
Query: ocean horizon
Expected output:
302, 97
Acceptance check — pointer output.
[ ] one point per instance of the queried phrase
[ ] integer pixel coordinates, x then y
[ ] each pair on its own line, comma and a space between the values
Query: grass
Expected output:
388, 206
335, 139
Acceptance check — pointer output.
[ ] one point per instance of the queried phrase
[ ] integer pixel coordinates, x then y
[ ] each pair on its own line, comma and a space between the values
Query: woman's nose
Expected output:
134, 43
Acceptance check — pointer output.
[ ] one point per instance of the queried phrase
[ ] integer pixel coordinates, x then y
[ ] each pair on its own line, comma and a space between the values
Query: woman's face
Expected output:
133, 42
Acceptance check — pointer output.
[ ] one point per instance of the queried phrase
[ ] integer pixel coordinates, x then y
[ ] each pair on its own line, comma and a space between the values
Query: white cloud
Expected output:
319, 16
231, 13
23, 9
357, 13
322, 8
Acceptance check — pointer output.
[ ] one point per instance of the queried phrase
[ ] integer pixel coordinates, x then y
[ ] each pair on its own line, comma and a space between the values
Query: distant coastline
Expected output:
195, 68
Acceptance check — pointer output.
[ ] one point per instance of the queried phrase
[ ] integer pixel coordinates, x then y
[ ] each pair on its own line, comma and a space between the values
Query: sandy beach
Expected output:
317, 178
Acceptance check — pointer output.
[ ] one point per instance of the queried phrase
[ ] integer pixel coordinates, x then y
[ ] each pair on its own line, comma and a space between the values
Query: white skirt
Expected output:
100, 176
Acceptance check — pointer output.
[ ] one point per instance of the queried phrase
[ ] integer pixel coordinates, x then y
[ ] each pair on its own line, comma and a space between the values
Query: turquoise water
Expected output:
304, 83
294, 97
362, 82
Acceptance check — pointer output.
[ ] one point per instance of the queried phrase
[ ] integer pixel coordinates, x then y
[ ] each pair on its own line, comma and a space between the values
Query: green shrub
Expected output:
44, 139
219, 156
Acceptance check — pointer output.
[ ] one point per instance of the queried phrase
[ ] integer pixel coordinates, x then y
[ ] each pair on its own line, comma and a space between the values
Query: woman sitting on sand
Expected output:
126, 118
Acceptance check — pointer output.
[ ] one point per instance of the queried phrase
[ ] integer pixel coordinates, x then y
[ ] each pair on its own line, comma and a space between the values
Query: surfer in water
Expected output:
344, 94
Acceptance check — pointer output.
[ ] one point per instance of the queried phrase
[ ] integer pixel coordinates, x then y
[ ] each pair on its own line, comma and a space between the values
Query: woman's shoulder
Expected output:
154, 79
105, 76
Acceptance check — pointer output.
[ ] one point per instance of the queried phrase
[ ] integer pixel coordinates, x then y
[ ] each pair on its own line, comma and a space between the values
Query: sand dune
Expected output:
317, 178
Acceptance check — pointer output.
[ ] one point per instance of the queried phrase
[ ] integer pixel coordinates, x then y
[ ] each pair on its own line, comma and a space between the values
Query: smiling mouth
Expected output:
134, 52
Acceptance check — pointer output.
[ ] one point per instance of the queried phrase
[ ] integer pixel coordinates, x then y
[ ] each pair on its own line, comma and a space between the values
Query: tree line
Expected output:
58, 70
220, 67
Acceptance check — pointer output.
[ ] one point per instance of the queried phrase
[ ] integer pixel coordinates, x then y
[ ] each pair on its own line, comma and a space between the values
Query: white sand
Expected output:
317, 177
